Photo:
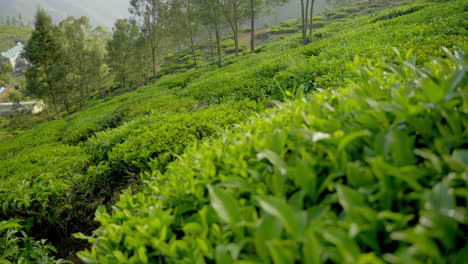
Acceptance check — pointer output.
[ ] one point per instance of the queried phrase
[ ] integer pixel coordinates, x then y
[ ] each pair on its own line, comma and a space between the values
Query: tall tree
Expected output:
121, 50
5, 74
183, 14
306, 23
311, 17
234, 11
100, 77
257, 7
152, 15
84, 50
75, 36
45, 55
210, 15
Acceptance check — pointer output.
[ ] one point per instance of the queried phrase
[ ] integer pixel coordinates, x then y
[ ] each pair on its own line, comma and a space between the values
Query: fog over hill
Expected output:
101, 12
105, 12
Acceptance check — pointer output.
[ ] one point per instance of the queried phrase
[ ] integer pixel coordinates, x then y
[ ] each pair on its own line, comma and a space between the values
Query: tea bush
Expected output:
161, 142
399, 11
371, 173
17, 247
381, 137
367, 164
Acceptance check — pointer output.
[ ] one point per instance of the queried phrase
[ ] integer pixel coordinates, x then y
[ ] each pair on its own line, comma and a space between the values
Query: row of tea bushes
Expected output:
371, 173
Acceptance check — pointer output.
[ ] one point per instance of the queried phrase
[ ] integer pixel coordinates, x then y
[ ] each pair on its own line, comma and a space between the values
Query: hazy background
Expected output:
100, 12
105, 12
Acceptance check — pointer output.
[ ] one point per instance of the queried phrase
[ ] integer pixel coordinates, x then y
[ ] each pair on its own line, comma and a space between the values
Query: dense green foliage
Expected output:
372, 172
334, 177
17, 247
182, 60
365, 161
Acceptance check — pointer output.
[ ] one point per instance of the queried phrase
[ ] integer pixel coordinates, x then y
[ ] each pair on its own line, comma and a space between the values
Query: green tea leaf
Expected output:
224, 205
282, 211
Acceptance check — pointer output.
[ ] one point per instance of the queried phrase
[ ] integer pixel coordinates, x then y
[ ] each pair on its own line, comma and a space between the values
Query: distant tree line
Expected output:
15, 21
67, 62
72, 62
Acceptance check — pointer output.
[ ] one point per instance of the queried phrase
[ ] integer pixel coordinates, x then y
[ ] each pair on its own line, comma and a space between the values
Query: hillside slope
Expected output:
10, 35
348, 169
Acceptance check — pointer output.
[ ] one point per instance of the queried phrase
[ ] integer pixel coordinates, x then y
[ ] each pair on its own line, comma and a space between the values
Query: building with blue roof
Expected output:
13, 55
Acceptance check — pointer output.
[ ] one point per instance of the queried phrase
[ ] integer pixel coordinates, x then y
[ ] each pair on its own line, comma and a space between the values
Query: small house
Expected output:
13, 55
10, 109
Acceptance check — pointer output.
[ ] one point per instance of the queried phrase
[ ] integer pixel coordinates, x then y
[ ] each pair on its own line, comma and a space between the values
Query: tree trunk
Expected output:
54, 102
192, 46
311, 16
153, 58
236, 32
211, 47
306, 19
304, 33
67, 106
123, 77
236, 42
218, 42
252, 27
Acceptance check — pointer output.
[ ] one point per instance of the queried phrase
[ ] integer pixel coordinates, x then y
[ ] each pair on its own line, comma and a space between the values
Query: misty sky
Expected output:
101, 12
105, 12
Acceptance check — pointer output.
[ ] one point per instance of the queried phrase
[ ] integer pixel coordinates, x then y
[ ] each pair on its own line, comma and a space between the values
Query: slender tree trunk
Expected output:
233, 28
236, 44
304, 25
192, 46
211, 47
81, 85
252, 27
306, 19
218, 42
54, 102
67, 106
153, 60
311, 16
236, 30
124, 72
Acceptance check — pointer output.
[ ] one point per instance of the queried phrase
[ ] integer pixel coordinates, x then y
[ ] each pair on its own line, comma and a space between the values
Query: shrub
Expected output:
17, 247
339, 15
157, 144
344, 176
398, 11
351, 10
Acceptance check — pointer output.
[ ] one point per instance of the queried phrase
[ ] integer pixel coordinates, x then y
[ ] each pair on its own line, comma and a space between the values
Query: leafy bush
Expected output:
398, 11
47, 133
351, 10
59, 172
17, 247
339, 15
244, 79
39, 177
371, 173
157, 144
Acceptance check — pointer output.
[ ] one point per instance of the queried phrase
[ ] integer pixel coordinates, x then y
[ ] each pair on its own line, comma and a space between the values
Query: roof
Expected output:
20, 104
13, 51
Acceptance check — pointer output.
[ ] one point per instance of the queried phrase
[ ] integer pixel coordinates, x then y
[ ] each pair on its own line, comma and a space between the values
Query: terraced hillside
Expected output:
182, 60
10, 35
351, 149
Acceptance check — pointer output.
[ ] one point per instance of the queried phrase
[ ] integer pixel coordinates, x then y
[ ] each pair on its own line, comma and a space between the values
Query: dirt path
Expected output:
244, 38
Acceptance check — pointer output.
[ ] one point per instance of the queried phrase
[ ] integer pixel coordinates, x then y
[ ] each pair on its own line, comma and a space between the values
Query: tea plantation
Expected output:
10, 35
351, 149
